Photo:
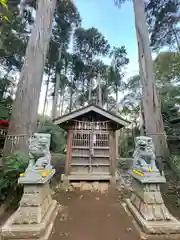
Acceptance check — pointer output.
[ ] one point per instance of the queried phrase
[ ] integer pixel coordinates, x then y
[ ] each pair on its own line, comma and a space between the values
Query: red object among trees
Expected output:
4, 124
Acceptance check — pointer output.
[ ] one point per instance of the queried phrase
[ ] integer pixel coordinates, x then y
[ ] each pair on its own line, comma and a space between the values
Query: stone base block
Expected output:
34, 204
147, 199
163, 227
145, 236
160, 237
39, 231
152, 209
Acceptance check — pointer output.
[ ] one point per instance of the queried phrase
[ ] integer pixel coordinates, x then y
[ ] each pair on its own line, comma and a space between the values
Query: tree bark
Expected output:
70, 99
46, 94
59, 104
62, 102
57, 86
117, 105
151, 104
99, 90
141, 119
24, 112
90, 91
176, 39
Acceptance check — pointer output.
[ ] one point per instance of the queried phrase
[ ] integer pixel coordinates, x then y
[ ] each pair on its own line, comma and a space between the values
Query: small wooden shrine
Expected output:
91, 143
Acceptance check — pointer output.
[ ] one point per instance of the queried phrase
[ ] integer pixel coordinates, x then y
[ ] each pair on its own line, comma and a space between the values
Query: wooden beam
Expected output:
117, 143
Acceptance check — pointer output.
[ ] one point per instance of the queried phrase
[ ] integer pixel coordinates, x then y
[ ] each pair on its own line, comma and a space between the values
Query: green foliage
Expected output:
5, 107
58, 136
2, 16
176, 161
127, 141
116, 70
167, 78
90, 43
124, 163
167, 67
167, 75
5, 98
14, 165
132, 97
163, 19
3, 3
13, 42
78, 70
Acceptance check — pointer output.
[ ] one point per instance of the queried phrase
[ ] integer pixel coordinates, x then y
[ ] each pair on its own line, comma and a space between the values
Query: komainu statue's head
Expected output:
39, 144
144, 142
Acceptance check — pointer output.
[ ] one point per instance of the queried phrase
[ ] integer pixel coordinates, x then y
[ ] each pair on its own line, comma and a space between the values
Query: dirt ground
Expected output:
95, 216
92, 216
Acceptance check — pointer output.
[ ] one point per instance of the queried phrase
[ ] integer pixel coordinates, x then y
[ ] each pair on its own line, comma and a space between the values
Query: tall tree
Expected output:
151, 104
67, 18
167, 67
49, 70
119, 62
132, 98
163, 18
167, 75
24, 113
89, 44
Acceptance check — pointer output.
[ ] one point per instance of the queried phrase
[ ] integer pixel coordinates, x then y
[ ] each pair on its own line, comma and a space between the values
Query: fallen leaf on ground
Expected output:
129, 229
143, 237
64, 234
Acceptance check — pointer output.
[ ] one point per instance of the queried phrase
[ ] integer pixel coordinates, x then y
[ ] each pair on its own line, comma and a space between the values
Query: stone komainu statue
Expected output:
144, 155
39, 153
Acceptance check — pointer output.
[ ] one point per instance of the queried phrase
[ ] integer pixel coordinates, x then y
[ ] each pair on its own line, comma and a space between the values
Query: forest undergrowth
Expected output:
171, 191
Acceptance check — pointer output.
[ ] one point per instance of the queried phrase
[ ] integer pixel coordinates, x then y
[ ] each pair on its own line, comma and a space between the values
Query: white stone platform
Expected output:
35, 216
147, 207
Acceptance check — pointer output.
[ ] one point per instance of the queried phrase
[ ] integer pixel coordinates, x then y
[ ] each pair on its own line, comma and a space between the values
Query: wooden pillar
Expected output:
112, 139
117, 143
68, 152
119, 146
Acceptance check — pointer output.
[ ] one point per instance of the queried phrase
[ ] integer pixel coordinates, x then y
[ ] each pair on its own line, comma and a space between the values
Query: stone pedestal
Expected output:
147, 206
34, 218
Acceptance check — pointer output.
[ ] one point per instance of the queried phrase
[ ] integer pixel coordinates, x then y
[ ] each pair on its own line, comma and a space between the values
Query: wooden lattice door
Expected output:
90, 148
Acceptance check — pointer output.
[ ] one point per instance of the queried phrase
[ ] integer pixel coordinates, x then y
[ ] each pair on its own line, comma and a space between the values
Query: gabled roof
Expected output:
92, 108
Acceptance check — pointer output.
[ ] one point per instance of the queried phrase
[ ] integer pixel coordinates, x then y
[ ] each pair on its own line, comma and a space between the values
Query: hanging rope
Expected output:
17, 138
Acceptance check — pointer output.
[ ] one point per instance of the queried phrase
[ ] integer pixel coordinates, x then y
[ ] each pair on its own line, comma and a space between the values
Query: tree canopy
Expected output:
76, 55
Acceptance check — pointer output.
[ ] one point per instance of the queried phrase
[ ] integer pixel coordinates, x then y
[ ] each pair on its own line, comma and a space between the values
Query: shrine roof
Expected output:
91, 110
